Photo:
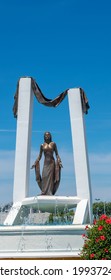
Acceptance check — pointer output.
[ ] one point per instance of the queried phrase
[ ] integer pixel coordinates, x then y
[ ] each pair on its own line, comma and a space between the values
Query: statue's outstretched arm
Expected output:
57, 155
40, 153
39, 157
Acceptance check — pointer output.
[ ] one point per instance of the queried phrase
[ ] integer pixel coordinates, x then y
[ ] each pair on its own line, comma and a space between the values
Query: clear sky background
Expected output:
61, 44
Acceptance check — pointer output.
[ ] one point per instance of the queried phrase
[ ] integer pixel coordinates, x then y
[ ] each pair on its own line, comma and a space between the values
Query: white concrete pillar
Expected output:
23, 140
81, 164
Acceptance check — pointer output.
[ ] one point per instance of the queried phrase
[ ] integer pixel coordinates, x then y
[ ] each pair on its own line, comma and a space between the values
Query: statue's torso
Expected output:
48, 150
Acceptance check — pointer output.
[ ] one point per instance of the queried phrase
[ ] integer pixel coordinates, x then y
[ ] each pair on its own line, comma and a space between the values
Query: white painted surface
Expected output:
81, 214
13, 213
23, 140
81, 164
49, 203
41, 241
42, 203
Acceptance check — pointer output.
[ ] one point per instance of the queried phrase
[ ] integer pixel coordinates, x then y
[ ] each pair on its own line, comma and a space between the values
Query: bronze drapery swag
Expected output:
49, 102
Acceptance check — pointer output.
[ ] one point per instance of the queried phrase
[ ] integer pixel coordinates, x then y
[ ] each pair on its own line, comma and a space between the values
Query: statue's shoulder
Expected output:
53, 143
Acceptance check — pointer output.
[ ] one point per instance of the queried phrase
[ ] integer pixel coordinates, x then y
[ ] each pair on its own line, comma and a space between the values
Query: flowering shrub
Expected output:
97, 240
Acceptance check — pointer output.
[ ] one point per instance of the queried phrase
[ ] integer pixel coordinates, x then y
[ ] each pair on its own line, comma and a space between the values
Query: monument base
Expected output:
41, 241
18, 239
51, 204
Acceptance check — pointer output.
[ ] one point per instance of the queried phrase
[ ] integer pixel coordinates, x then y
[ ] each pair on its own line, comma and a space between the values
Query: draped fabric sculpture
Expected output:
49, 102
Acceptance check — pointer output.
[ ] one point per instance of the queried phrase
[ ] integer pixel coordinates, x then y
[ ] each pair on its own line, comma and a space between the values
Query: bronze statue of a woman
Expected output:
49, 182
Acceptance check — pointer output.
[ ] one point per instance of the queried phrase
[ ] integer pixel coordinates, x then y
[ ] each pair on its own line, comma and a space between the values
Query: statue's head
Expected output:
47, 136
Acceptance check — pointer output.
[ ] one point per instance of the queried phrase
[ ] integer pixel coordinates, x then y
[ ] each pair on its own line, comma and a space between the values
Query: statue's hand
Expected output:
32, 166
60, 164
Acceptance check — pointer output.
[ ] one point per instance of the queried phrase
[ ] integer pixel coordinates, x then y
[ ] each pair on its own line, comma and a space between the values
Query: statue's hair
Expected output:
50, 135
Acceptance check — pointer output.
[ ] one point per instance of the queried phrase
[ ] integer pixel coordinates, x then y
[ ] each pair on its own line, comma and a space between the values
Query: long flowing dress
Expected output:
50, 179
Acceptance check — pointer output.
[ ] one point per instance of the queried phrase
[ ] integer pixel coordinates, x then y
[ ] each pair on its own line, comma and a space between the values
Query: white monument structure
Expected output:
83, 213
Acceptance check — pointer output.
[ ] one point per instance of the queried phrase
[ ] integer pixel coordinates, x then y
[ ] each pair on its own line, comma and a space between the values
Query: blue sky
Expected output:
62, 44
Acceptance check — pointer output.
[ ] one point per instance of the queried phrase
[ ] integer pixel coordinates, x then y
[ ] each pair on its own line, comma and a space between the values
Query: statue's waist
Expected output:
49, 158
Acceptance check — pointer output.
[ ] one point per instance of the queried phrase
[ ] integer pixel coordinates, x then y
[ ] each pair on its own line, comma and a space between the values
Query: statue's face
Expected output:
47, 136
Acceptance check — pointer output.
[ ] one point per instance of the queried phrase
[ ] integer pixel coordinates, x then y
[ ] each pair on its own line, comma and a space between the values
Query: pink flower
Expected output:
92, 256
106, 250
86, 227
100, 227
103, 217
83, 235
108, 221
94, 222
97, 239
102, 237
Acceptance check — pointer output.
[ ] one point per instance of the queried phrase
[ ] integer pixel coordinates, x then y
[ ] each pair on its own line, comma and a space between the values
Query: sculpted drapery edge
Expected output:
48, 102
